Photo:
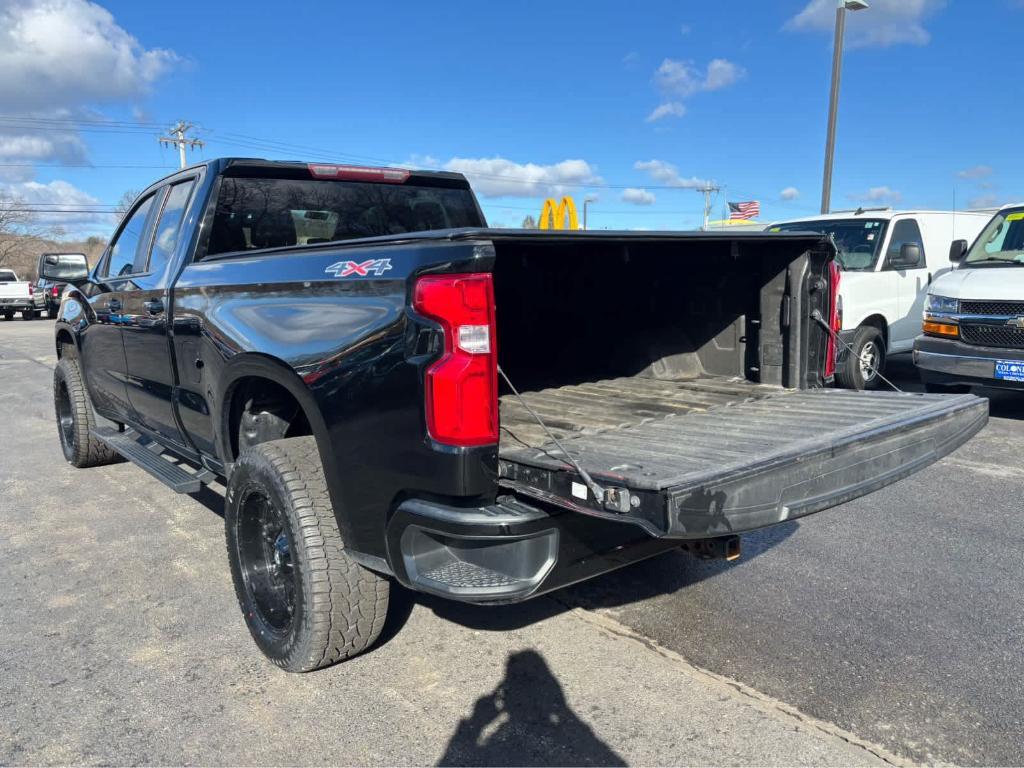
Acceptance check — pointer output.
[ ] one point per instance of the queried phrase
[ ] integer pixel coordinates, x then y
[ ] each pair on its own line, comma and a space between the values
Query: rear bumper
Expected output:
506, 552
16, 305
945, 361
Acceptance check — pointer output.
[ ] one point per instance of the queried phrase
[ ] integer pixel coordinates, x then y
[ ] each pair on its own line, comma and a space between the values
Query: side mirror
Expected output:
957, 251
909, 257
65, 268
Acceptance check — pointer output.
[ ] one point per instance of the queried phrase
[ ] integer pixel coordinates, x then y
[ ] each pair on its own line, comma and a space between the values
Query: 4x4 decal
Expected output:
348, 268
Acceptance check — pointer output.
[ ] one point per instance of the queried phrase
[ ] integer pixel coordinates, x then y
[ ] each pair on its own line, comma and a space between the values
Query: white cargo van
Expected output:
974, 315
888, 258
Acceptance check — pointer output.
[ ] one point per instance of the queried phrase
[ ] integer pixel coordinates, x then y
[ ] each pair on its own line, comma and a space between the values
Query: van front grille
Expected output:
1006, 336
974, 307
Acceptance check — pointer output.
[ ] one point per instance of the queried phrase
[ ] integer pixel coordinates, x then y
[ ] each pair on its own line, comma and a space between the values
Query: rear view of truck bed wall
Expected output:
572, 312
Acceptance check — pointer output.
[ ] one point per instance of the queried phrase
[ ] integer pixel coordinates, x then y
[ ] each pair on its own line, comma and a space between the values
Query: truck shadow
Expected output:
526, 720
663, 574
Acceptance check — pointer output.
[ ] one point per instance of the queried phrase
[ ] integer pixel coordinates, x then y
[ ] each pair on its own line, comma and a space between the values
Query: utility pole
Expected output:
707, 189
178, 138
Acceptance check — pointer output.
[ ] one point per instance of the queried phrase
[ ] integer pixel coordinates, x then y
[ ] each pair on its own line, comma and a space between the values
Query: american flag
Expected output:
748, 210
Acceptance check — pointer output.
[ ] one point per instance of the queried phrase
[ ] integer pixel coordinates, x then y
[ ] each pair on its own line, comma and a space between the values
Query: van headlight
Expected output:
942, 304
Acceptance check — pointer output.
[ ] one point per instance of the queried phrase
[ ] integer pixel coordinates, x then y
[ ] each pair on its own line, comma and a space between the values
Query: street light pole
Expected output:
587, 200
833, 101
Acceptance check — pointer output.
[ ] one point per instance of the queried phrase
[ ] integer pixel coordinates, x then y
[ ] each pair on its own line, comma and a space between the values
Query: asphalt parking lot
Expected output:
888, 629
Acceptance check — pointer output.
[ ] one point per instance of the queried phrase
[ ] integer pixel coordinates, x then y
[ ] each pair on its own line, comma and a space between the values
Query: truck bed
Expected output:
610, 404
714, 457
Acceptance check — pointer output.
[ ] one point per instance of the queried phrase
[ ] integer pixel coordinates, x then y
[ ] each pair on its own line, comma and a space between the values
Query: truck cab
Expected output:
888, 259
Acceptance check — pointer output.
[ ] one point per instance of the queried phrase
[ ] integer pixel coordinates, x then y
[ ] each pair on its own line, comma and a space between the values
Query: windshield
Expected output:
1001, 243
858, 240
273, 213
60, 266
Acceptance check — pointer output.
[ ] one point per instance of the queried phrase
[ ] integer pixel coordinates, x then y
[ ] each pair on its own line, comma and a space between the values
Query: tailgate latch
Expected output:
617, 499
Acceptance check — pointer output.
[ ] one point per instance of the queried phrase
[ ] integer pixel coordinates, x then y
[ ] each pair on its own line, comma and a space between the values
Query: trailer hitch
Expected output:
718, 548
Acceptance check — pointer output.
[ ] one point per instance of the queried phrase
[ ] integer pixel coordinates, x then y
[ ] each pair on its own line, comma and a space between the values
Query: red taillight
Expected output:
31, 290
461, 387
358, 173
834, 320
56, 292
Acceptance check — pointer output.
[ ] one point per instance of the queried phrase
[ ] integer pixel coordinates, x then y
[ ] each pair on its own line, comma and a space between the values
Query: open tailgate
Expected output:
750, 464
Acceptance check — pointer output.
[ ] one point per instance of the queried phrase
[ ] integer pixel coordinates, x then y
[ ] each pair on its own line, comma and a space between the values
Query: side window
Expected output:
167, 228
905, 231
129, 242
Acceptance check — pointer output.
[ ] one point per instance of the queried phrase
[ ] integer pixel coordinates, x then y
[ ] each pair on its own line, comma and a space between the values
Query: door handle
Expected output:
929, 278
114, 305
153, 306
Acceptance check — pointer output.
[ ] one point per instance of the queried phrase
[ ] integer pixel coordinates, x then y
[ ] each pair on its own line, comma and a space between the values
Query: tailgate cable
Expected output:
611, 498
816, 316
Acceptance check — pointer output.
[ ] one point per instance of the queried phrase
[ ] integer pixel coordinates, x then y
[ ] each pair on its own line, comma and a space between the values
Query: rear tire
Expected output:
306, 603
76, 419
28, 314
867, 349
947, 389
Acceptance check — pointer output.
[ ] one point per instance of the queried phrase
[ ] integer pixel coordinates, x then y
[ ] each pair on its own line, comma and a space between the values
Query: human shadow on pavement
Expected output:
526, 720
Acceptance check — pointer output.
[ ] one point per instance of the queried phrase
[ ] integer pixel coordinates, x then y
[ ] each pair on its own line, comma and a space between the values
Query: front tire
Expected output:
864, 360
28, 314
76, 419
8, 315
306, 603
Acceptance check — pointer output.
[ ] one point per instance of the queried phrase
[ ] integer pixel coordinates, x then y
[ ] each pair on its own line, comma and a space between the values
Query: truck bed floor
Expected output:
612, 404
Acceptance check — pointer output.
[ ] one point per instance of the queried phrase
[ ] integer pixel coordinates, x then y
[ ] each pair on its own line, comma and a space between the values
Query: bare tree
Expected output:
529, 222
124, 204
16, 225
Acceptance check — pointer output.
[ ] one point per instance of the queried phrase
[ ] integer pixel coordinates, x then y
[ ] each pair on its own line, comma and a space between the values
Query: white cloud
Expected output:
668, 174
881, 194
685, 29
60, 58
668, 109
683, 78
789, 193
885, 23
721, 74
630, 59
60, 196
498, 177
984, 201
677, 80
638, 196
975, 172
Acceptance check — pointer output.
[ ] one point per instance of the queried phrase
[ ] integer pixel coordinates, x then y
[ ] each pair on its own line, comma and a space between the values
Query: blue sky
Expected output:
631, 103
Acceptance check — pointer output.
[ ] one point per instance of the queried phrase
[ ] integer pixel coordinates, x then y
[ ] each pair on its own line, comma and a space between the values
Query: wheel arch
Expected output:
878, 321
254, 374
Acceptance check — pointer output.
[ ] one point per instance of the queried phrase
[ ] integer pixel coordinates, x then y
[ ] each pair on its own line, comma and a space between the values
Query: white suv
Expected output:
888, 258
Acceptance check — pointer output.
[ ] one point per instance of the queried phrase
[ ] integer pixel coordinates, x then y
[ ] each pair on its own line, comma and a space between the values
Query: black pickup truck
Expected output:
390, 390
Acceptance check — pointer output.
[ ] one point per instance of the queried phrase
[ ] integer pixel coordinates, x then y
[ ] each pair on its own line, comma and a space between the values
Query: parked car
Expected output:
888, 258
391, 391
53, 272
973, 329
18, 296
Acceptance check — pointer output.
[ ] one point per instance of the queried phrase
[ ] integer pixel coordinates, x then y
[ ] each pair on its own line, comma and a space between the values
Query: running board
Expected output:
148, 454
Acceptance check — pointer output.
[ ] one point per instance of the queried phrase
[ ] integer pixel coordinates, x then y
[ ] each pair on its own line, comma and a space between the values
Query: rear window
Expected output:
272, 213
6, 276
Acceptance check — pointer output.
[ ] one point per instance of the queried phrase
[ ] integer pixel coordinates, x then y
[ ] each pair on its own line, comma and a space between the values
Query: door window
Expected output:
905, 231
130, 242
167, 228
